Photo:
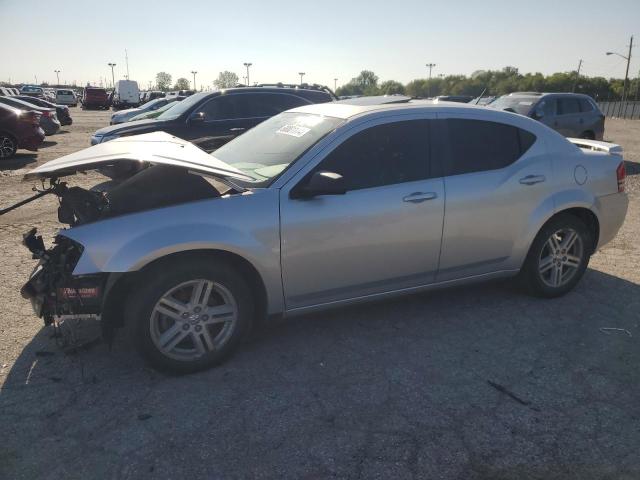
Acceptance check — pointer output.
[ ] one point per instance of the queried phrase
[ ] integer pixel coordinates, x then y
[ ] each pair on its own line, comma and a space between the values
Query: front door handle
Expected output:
532, 179
419, 197
237, 130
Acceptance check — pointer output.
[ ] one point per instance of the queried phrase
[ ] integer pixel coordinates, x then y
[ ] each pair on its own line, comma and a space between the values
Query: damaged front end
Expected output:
52, 288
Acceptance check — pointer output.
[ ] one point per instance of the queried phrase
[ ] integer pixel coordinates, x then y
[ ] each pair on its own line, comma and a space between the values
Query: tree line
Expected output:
492, 82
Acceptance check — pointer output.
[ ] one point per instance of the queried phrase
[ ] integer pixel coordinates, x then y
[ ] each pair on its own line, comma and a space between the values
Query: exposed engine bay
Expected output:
52, 288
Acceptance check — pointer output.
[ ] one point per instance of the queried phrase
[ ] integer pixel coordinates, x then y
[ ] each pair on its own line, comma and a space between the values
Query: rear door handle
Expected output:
237, 130
532, 179
419, 197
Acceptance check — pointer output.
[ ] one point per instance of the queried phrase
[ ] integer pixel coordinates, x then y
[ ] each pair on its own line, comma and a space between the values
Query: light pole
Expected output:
430, 66
302, 74
194, 79
626, 75
335, 84
247, 64
113, 78
575, 83
58, 76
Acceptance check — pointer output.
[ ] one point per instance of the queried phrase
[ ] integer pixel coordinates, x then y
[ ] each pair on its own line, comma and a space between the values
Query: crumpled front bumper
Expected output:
52, 289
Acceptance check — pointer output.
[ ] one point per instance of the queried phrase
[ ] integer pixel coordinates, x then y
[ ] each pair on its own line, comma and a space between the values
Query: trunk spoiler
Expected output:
596, 146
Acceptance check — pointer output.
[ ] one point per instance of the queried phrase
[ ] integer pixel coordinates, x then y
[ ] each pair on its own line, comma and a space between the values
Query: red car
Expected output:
95, 97
19, 129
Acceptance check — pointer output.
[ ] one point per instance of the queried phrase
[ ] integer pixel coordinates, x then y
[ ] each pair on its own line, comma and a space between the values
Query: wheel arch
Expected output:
119, 285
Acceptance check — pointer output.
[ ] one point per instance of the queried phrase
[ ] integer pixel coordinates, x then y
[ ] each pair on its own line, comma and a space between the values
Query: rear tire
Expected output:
189, 315
558, 257
8, 146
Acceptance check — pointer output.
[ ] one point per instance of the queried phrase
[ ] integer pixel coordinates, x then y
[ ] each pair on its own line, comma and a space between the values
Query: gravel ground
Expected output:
472, 383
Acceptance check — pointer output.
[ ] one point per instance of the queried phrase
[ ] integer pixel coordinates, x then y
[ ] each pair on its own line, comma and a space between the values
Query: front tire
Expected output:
558, 257
190, 315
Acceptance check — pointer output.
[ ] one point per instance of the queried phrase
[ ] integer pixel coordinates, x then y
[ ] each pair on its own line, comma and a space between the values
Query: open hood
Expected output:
158, 148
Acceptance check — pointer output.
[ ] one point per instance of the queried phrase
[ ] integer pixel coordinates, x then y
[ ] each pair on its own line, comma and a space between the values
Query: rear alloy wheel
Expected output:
8, 146
558, 257
190, 316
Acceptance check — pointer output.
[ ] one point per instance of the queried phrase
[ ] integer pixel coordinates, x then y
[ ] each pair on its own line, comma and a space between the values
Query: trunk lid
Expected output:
158, 148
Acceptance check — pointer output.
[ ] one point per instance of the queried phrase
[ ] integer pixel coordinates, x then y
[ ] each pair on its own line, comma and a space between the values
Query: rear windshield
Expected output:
266, 150
95, 90
521, 105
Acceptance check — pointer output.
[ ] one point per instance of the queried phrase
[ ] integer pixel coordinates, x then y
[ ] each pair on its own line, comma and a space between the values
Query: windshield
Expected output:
183, 106
154, 113
269, 148
521, 105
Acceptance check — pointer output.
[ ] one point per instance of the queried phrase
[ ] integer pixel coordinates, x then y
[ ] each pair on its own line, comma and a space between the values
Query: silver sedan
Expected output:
321, 206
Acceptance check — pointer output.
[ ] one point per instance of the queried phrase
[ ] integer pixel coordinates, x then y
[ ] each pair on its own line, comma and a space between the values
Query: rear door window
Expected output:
252, 105
478, 145
568, 106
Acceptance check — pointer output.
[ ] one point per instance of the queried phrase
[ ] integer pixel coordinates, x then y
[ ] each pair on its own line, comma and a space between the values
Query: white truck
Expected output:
126, 95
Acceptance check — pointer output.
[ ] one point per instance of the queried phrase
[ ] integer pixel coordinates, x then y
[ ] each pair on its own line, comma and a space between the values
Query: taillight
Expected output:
621, 175
31, 117
46, 114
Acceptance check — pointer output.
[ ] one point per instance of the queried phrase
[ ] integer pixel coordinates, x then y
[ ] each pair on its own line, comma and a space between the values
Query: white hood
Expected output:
155, 148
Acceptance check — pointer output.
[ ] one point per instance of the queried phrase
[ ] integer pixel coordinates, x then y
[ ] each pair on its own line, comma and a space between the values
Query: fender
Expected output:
245, 224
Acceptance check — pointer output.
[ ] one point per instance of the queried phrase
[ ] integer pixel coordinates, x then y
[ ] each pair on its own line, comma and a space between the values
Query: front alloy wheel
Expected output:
193, 318
189, 313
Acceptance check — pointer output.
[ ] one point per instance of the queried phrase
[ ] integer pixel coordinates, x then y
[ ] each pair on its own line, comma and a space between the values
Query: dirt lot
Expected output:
475, 383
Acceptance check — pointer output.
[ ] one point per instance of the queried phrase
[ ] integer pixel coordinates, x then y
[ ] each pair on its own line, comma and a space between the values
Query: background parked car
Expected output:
126, 94
180, 94
154, 113
455, 98
95, 97
62, 111
126, 115
571, 114
48, 117
19, 129
66, 97
32, 91
211, 119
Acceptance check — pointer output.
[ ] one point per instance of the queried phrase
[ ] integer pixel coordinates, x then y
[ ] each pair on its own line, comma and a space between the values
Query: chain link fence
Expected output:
628, 110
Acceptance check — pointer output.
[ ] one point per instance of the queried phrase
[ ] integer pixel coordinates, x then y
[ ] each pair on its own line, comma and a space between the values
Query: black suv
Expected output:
211, 119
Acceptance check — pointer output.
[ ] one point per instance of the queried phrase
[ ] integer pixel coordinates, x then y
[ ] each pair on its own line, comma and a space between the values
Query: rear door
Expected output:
382, 235
570, 120
497, 175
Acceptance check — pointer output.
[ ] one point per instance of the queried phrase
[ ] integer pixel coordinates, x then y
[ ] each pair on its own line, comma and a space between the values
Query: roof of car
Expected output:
346, 110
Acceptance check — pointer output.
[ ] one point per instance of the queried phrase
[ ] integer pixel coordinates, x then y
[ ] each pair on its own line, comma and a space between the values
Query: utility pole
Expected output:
247, 64
126, 59
36, 77
113, 78
302, 74
58, 76
625, 94
194, 79
335, 84
575, 83
430, 66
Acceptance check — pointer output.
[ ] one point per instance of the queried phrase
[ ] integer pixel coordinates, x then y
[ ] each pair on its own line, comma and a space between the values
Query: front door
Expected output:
382, 235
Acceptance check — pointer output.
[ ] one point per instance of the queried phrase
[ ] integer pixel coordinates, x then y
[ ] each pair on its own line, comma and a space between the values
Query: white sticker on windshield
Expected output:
293, 130
525, 103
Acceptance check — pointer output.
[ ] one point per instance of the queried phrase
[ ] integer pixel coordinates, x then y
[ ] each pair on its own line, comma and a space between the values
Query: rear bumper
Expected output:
613, 210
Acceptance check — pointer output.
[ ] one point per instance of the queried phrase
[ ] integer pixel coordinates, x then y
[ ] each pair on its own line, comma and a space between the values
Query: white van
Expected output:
127, 94
66, 97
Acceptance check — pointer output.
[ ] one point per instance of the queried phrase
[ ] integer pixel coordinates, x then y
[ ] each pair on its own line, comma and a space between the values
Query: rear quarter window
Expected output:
586, 105
479, 145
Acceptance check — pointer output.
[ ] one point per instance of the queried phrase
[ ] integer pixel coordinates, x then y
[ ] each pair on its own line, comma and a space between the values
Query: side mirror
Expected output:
538, 114
321, 183
197, 117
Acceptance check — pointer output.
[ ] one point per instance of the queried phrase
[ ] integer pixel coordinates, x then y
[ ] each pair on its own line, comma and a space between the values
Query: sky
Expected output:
326, 39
